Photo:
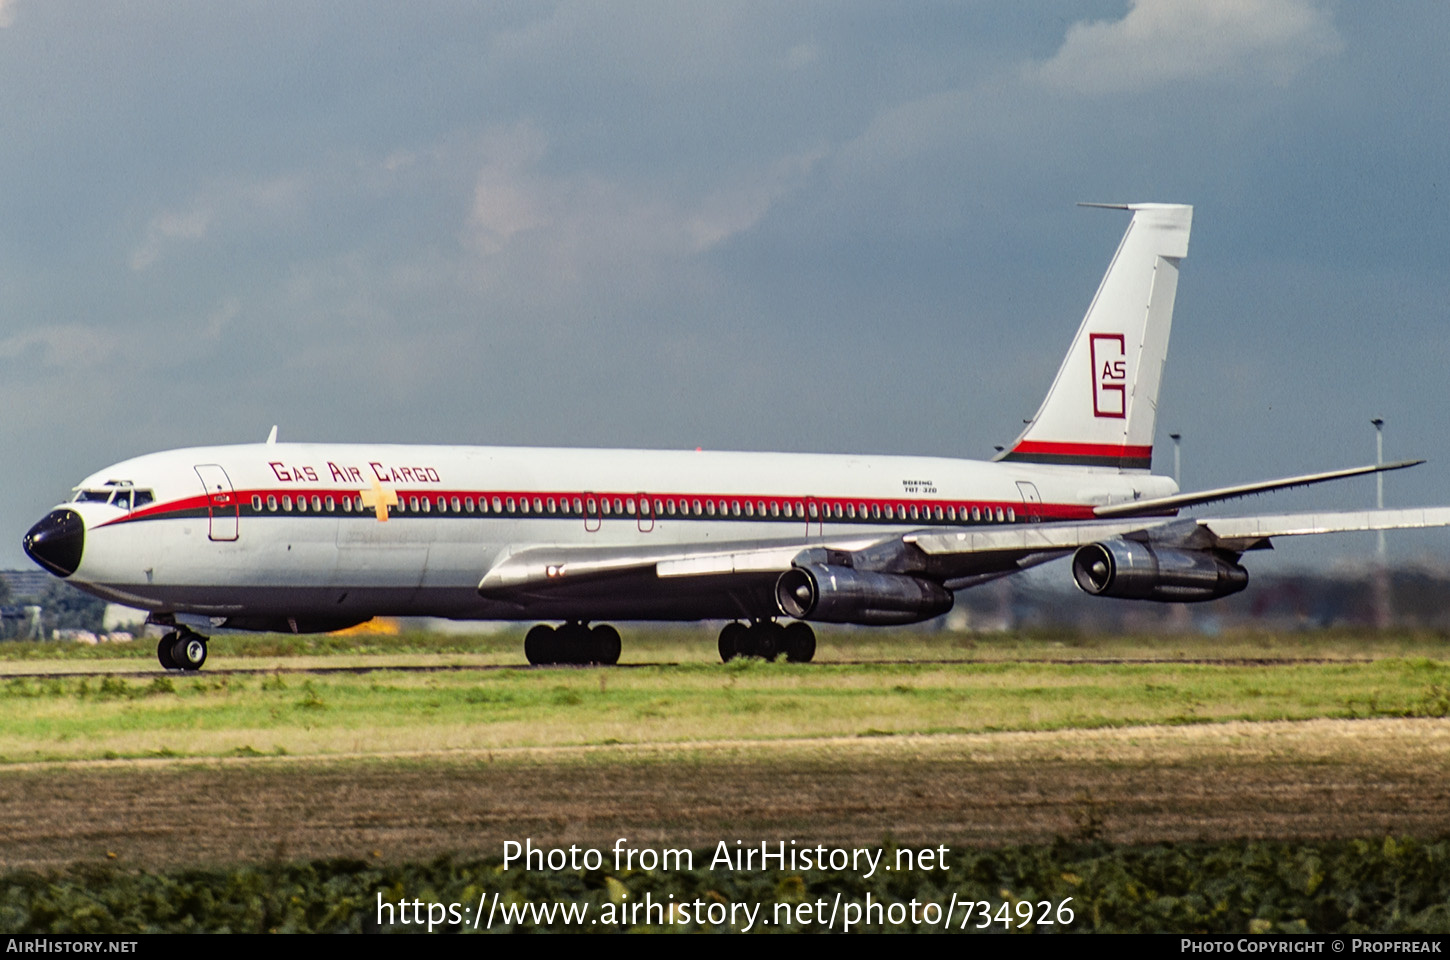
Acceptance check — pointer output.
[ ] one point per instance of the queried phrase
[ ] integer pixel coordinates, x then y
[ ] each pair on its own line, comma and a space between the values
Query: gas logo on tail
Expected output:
1108, 352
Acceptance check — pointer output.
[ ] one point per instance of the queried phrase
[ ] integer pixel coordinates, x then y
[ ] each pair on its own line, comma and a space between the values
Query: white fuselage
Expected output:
298, 530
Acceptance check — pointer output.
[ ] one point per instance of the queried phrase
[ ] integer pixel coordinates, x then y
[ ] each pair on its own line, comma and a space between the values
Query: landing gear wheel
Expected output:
539, 645
732, 635
769, 639
749, 643
573, 644
188, 651
163, 651
606, 644
800, 642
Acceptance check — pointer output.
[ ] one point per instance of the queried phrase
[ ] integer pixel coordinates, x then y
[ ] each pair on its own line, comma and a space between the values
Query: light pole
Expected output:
1178, 617
1381, 582
1379, 482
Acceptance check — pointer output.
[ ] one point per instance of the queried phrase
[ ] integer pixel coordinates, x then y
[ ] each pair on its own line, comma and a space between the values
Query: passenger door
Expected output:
223, 510
1031, 501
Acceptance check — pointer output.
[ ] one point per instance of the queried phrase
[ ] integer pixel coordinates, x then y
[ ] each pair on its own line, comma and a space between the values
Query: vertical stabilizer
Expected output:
1103, 405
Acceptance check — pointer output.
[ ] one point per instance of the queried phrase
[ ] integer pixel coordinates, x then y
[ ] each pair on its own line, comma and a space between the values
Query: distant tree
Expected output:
8, 626
67, 608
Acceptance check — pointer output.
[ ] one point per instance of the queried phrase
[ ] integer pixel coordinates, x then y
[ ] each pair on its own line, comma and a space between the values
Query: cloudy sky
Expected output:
826, 226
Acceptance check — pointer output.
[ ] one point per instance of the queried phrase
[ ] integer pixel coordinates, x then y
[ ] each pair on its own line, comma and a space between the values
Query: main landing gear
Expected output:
767, 640
182, 649
576, 643
572, 643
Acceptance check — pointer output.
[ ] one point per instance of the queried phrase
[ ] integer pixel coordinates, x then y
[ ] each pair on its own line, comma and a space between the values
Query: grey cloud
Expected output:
586, 234
1162, 42
829, 226
235, 204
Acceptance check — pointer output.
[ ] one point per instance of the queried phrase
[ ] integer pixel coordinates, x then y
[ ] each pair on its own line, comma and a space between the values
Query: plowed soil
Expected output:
1278, 780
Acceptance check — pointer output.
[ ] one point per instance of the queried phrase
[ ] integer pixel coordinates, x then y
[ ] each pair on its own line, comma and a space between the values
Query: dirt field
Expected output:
1312, 779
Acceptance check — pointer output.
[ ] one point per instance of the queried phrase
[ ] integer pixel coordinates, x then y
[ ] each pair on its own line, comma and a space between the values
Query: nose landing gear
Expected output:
182, 650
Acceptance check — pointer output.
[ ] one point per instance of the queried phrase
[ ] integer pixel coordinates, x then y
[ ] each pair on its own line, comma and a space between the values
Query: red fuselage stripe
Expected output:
868, 509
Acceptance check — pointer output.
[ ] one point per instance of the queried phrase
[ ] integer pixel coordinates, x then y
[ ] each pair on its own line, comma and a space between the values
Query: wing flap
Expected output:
1026, 538
1302, 524
530, 568
746, 561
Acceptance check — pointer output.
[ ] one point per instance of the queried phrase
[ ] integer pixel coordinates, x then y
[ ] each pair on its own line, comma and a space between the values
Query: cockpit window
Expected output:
124, 497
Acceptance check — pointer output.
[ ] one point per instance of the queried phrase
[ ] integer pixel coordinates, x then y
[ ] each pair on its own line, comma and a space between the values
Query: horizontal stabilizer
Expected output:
1164, 505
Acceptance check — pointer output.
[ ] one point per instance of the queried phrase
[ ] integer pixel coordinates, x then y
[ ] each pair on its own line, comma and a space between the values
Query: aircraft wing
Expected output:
541, 567
1233, 533
953, 558
961, 558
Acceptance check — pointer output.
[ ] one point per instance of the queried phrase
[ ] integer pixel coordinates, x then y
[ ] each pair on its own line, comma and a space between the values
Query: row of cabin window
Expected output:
625, 506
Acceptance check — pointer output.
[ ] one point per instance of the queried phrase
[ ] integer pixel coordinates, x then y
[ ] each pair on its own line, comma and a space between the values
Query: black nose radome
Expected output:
57, 541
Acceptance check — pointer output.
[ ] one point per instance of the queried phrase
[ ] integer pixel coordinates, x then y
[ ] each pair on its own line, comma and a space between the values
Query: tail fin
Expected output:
1103, 405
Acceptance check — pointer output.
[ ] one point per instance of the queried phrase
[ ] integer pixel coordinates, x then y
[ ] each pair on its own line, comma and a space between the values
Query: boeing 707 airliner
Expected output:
307, 537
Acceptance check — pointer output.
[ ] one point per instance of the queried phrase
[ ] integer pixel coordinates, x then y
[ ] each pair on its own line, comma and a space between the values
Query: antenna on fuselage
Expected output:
272, 437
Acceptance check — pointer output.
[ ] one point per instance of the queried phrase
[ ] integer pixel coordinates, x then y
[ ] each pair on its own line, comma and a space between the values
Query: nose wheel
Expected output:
182, 650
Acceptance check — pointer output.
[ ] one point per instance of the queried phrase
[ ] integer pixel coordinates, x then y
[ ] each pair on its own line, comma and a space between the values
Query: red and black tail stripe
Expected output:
1122, 456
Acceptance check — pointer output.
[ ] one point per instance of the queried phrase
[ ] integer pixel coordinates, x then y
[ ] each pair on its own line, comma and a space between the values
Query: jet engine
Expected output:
1138, 571
834, 594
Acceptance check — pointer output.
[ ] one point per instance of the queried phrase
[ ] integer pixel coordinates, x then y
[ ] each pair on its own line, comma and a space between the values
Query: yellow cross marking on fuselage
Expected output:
380, 500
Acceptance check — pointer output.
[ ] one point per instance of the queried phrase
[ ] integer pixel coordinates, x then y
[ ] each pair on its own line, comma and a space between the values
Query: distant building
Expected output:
26, 584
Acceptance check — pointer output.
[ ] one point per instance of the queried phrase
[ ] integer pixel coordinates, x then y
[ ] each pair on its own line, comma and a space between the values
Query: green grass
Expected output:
247, 646
696, 644
1370, 885
388, 711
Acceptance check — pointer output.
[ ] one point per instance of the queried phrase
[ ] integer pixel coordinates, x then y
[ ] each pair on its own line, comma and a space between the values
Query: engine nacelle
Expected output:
1131, 570
831, 594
